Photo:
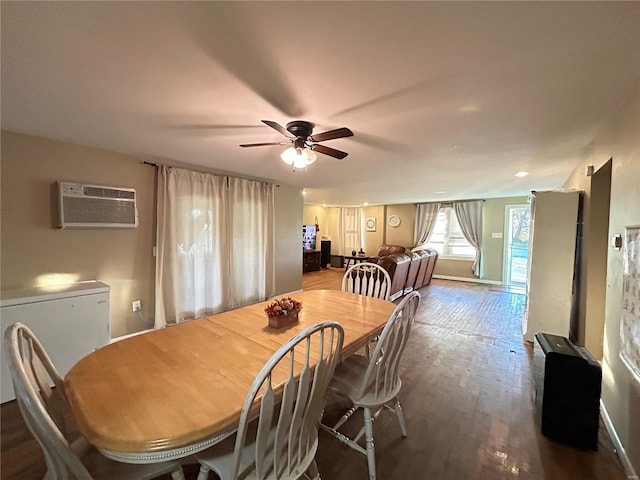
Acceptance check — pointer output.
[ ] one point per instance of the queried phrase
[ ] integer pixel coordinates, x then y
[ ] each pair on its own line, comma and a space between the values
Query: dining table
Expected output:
171, 392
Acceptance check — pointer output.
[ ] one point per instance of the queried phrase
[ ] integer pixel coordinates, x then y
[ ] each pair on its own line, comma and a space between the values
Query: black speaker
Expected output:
570, 389
325, 253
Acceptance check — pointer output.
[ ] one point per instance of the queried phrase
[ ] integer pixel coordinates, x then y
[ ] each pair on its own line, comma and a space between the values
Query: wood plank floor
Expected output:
467, 397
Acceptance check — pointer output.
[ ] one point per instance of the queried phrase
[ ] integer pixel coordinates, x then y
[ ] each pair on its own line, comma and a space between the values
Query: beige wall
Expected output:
403, 234
288, 206
332, 217
32, 248
448, 268
311, 213
621, 142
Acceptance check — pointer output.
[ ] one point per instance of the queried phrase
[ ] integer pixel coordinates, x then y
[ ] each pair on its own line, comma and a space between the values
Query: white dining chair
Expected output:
367, 279
44, 410
373, 383
281, 443
371, 280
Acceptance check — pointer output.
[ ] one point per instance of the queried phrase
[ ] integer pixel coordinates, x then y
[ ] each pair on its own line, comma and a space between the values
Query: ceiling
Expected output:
447, 101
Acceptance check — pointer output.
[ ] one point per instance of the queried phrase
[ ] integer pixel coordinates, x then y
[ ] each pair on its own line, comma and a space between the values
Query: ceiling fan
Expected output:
302, 143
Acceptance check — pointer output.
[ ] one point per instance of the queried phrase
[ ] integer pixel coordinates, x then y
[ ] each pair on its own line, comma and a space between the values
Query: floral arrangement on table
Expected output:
283, 311
283, 306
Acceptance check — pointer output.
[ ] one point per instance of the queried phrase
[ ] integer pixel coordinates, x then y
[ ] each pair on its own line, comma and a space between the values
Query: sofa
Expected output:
397, 266
386, 250
409, 269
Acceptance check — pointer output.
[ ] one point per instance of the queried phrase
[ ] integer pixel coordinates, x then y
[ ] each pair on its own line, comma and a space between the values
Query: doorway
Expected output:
516, 245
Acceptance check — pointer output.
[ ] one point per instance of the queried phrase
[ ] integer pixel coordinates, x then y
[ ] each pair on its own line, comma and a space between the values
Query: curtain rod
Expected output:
455, 201
152, 164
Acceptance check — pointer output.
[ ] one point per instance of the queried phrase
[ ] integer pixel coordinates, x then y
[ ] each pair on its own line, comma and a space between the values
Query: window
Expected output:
447, 237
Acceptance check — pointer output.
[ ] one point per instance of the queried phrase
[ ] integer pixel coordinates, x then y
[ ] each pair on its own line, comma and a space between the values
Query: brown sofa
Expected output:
387, 250
429, 259
409, 271
412, 275
397, 266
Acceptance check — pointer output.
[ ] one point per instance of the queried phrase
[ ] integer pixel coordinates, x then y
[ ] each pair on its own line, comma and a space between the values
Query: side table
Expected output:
355, 260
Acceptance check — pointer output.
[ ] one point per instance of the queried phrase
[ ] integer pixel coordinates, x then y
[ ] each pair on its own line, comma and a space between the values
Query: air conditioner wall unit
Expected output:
96, 206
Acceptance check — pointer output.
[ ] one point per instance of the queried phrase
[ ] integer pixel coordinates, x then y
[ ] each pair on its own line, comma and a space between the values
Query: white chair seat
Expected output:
348, 379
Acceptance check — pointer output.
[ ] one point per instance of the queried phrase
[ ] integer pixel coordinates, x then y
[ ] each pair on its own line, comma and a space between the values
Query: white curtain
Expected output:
215, 244
469, 216
350, 229
426, 217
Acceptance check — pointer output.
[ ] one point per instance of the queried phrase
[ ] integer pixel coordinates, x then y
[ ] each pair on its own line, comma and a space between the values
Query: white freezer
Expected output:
70, 322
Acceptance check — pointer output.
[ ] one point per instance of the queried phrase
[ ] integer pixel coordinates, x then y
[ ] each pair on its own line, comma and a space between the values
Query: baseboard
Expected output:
117, 339
467, 279
288, 294
622, 454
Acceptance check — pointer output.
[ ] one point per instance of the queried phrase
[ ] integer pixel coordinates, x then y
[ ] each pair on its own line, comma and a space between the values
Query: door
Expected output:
516, 245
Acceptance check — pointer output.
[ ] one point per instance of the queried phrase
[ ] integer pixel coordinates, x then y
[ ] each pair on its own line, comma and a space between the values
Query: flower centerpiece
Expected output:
283, 312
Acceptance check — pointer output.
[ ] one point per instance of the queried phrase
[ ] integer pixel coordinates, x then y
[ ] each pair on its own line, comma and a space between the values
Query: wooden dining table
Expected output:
173, 391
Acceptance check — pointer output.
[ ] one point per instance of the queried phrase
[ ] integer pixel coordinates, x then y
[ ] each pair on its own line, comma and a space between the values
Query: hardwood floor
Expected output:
467, 396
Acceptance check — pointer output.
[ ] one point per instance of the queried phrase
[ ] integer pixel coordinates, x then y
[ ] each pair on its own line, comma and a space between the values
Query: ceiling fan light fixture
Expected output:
303, 143
298, 157
289, 155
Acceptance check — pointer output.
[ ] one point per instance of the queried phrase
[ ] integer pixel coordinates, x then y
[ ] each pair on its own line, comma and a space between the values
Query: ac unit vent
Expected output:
109, 192
95, 206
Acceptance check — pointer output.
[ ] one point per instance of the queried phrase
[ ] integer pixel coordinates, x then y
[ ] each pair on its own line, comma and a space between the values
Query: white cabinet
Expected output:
70, 322
552, 251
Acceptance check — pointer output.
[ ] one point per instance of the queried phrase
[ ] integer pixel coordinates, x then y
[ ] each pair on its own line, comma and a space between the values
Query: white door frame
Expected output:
506, 258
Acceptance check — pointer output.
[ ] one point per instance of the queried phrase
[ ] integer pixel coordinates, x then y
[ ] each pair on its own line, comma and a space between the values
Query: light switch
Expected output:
616, 241
496, 235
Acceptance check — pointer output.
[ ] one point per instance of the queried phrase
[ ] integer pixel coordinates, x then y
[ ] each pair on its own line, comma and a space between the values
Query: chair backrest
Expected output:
43, 408
367, 279
287, 433
381, 381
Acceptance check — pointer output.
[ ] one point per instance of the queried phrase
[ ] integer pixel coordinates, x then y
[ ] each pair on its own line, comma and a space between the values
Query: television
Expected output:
309, 237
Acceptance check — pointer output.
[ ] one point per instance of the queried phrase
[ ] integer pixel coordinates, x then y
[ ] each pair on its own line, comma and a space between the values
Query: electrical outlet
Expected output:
136, 306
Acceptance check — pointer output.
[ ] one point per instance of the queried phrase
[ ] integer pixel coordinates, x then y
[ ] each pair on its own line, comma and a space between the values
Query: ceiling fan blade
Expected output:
332, 152
262, 144
331, 134
278, 127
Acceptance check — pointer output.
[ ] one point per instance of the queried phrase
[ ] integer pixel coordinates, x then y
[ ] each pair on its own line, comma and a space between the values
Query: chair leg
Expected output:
312, 472
203, 474
371, 345
403, 425
177, 474
371, 454
347, 415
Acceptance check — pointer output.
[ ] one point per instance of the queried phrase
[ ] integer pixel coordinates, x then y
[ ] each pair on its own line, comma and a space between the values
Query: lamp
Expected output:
299, 156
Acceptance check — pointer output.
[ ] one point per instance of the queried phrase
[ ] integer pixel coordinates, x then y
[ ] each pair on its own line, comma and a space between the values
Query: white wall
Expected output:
621, 142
